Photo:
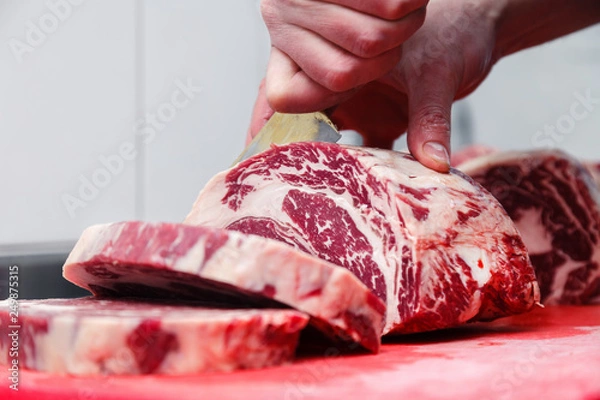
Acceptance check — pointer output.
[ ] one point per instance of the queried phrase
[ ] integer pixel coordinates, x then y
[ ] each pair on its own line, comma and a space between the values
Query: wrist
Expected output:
520, 24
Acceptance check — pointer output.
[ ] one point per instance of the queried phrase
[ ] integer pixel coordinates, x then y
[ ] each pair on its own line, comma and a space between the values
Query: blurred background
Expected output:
121, 109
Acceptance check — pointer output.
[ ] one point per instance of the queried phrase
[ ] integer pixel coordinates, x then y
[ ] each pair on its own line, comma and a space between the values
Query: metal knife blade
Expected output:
289, 128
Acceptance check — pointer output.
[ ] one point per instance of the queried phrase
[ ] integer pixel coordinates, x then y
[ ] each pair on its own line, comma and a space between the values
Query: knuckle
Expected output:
393, 33
370, 43
396, 9
341, 76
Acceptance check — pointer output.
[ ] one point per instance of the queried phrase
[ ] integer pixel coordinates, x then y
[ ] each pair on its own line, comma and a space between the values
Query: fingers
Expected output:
323, 50
304, 94
386, 9
329, 65
260, 114
290, 90
358, 33
377, 112
429, 110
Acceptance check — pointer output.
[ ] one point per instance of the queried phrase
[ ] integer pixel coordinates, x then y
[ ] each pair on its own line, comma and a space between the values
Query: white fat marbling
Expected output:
478, 238
88, 337
530, 226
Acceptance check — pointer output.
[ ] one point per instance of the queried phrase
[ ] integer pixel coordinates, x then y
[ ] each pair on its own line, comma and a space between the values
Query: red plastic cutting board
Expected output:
551, 353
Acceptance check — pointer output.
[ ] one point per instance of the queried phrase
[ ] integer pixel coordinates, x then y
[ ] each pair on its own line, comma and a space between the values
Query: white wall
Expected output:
63, 103
530, 90
92, 86
536, 89
217, 46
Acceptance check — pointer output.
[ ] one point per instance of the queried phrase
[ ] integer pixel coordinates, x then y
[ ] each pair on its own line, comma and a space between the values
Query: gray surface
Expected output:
40, 277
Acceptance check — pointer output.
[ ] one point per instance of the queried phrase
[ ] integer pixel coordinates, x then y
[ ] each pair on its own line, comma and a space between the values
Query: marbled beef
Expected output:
89, 336
438, 249
555, 204
167, 260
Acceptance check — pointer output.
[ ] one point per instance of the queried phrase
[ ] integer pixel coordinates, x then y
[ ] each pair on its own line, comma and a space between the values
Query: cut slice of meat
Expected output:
555, 206
469, 153
437, 248
166, 260
88, 336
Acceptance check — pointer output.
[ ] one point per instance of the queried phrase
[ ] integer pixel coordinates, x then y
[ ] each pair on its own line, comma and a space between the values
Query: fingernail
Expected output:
437, 152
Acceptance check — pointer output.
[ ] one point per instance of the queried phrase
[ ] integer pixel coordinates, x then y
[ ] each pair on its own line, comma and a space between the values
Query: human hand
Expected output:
443, 61
322, 50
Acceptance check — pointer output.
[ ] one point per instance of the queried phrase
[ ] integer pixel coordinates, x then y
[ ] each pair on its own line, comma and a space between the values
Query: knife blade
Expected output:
289, 128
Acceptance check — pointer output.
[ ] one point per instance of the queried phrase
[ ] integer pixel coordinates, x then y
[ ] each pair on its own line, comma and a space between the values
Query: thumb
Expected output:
261, 113
429, 109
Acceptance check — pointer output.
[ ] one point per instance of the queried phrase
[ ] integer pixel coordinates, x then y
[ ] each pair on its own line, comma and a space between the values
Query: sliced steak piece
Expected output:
166, 260
437, 248
88, 336
469, 153
555, 205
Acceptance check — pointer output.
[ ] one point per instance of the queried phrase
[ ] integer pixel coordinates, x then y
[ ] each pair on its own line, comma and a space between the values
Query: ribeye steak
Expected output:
556, 207
438, 249
88, 336
167, 260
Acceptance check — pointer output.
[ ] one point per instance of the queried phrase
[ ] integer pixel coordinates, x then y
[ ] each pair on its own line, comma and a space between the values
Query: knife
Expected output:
289, 128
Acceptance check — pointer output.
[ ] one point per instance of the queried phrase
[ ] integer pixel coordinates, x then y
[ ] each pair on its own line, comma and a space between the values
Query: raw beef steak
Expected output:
437, 248
105, 337
470, 152
555, 205
165, 260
